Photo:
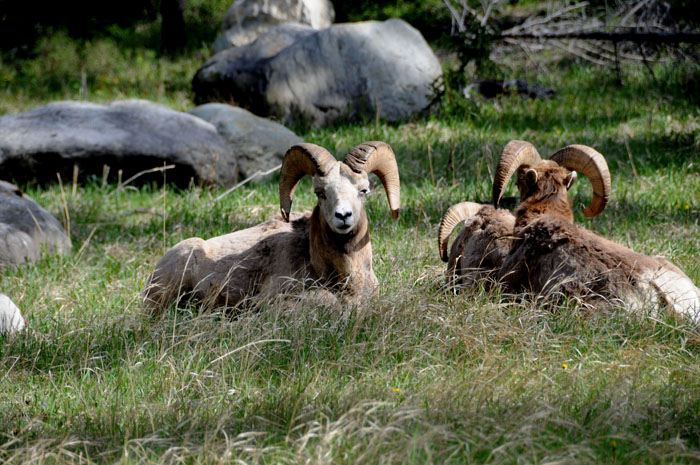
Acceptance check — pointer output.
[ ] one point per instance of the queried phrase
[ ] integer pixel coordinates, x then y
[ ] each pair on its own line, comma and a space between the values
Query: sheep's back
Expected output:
481, 245
224, 270
552, 255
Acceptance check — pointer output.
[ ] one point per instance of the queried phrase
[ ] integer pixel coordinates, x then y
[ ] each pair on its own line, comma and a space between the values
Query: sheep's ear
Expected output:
531, 177
570, 178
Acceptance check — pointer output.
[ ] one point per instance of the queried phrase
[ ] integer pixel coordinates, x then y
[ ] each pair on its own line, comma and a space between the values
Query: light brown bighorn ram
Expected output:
545, 252
329, 246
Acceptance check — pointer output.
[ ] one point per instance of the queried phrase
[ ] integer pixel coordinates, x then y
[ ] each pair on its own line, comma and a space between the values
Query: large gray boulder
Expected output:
26, 229
237, 75
246, 20
127, 135
257, 143
347, 70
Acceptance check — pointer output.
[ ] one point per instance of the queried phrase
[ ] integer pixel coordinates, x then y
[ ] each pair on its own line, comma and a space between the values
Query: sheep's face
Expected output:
545, 181
341, 195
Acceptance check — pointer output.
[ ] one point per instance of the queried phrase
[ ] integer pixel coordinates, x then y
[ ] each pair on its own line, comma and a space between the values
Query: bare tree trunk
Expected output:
173, 37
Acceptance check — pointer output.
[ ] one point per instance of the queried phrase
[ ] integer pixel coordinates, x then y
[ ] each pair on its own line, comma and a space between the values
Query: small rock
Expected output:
26, 229
11, 319
491, 88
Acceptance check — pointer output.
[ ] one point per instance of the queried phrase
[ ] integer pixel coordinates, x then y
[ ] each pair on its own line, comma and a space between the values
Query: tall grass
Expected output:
418, 374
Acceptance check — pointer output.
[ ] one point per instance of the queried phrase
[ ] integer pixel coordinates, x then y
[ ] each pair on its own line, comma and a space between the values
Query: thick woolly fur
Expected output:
540, 250
329, 247
551, 255
481, 247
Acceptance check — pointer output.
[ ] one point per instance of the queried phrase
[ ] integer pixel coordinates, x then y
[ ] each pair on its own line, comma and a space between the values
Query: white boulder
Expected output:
246, 20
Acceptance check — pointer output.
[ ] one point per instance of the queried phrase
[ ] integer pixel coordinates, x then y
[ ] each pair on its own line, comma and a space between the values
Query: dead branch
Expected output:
629, 31
635, 37
247, 180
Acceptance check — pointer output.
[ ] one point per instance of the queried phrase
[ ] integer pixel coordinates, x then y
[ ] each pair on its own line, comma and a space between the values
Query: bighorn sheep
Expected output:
545, 252
329, 246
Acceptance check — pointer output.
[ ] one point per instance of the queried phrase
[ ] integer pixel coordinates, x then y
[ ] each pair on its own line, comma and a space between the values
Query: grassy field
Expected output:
416, 375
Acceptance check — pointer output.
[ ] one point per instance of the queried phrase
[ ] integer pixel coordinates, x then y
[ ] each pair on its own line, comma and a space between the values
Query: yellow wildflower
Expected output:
397, 390
564, 366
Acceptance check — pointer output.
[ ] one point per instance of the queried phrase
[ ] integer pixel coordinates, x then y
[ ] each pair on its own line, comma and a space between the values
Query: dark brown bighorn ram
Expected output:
539, 249
329, 247
487, 236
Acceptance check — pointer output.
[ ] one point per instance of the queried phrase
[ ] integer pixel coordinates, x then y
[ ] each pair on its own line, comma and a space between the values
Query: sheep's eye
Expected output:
364, 191
320, 194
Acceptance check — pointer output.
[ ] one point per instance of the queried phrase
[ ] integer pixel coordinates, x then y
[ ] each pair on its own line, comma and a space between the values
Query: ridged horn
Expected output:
592, 164
515, 154
452, 217
378, 158
300, 160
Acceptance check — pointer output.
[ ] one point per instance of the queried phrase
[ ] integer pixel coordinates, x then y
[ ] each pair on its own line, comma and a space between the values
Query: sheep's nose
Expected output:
343, 215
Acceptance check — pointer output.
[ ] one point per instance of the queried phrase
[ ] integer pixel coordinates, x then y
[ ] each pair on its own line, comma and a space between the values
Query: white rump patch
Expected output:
677, 290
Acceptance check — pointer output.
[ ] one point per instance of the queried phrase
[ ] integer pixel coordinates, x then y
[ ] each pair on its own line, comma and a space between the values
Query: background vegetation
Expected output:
418, 374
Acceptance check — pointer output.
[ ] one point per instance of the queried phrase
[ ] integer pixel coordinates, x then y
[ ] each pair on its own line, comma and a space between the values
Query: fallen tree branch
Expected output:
535, 21
637, 37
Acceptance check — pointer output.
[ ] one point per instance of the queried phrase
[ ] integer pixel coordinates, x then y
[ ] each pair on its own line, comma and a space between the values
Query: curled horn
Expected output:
378, 158
515, 154
592, 164
452, 217
300, 160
